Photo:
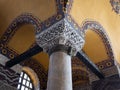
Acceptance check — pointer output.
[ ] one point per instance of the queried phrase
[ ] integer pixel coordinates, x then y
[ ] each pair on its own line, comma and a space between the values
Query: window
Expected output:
25, 82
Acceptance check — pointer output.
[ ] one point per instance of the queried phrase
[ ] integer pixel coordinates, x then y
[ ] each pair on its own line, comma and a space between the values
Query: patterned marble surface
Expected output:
6, 87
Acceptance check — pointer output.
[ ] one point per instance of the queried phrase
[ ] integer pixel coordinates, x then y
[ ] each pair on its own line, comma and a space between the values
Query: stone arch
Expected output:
97, 28
25, 18
109, 66
18, 22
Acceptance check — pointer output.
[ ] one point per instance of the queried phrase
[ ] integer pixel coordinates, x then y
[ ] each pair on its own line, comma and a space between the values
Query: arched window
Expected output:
25, 82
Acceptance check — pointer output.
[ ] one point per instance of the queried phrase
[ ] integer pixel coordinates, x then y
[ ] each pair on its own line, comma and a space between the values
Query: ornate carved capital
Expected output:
61, 33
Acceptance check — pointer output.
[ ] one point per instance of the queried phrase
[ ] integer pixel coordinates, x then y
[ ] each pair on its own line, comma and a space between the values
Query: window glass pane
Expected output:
26, 88
20, 80
25, 76
24, 81
18, 86
30, 85
21, 74
22, 88
27, 84
28, 79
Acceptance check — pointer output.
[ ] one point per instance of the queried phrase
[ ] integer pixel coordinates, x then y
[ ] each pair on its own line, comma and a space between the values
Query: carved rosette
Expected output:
61, 33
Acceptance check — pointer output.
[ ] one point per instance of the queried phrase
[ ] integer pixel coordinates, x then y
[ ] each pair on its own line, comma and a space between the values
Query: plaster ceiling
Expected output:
95, 44
102, 12
22, 39
11, 9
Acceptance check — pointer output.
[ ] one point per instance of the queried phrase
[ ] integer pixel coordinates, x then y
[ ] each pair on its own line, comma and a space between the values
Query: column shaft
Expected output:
60, 74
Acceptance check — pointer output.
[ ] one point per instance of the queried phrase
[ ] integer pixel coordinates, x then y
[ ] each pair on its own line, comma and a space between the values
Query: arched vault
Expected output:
98, 45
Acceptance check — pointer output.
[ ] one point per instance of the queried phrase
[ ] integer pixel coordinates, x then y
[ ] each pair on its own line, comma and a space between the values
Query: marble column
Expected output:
60, 74
61, 41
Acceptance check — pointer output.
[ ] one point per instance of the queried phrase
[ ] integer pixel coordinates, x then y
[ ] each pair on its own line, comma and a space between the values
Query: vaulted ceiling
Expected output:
97, 18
